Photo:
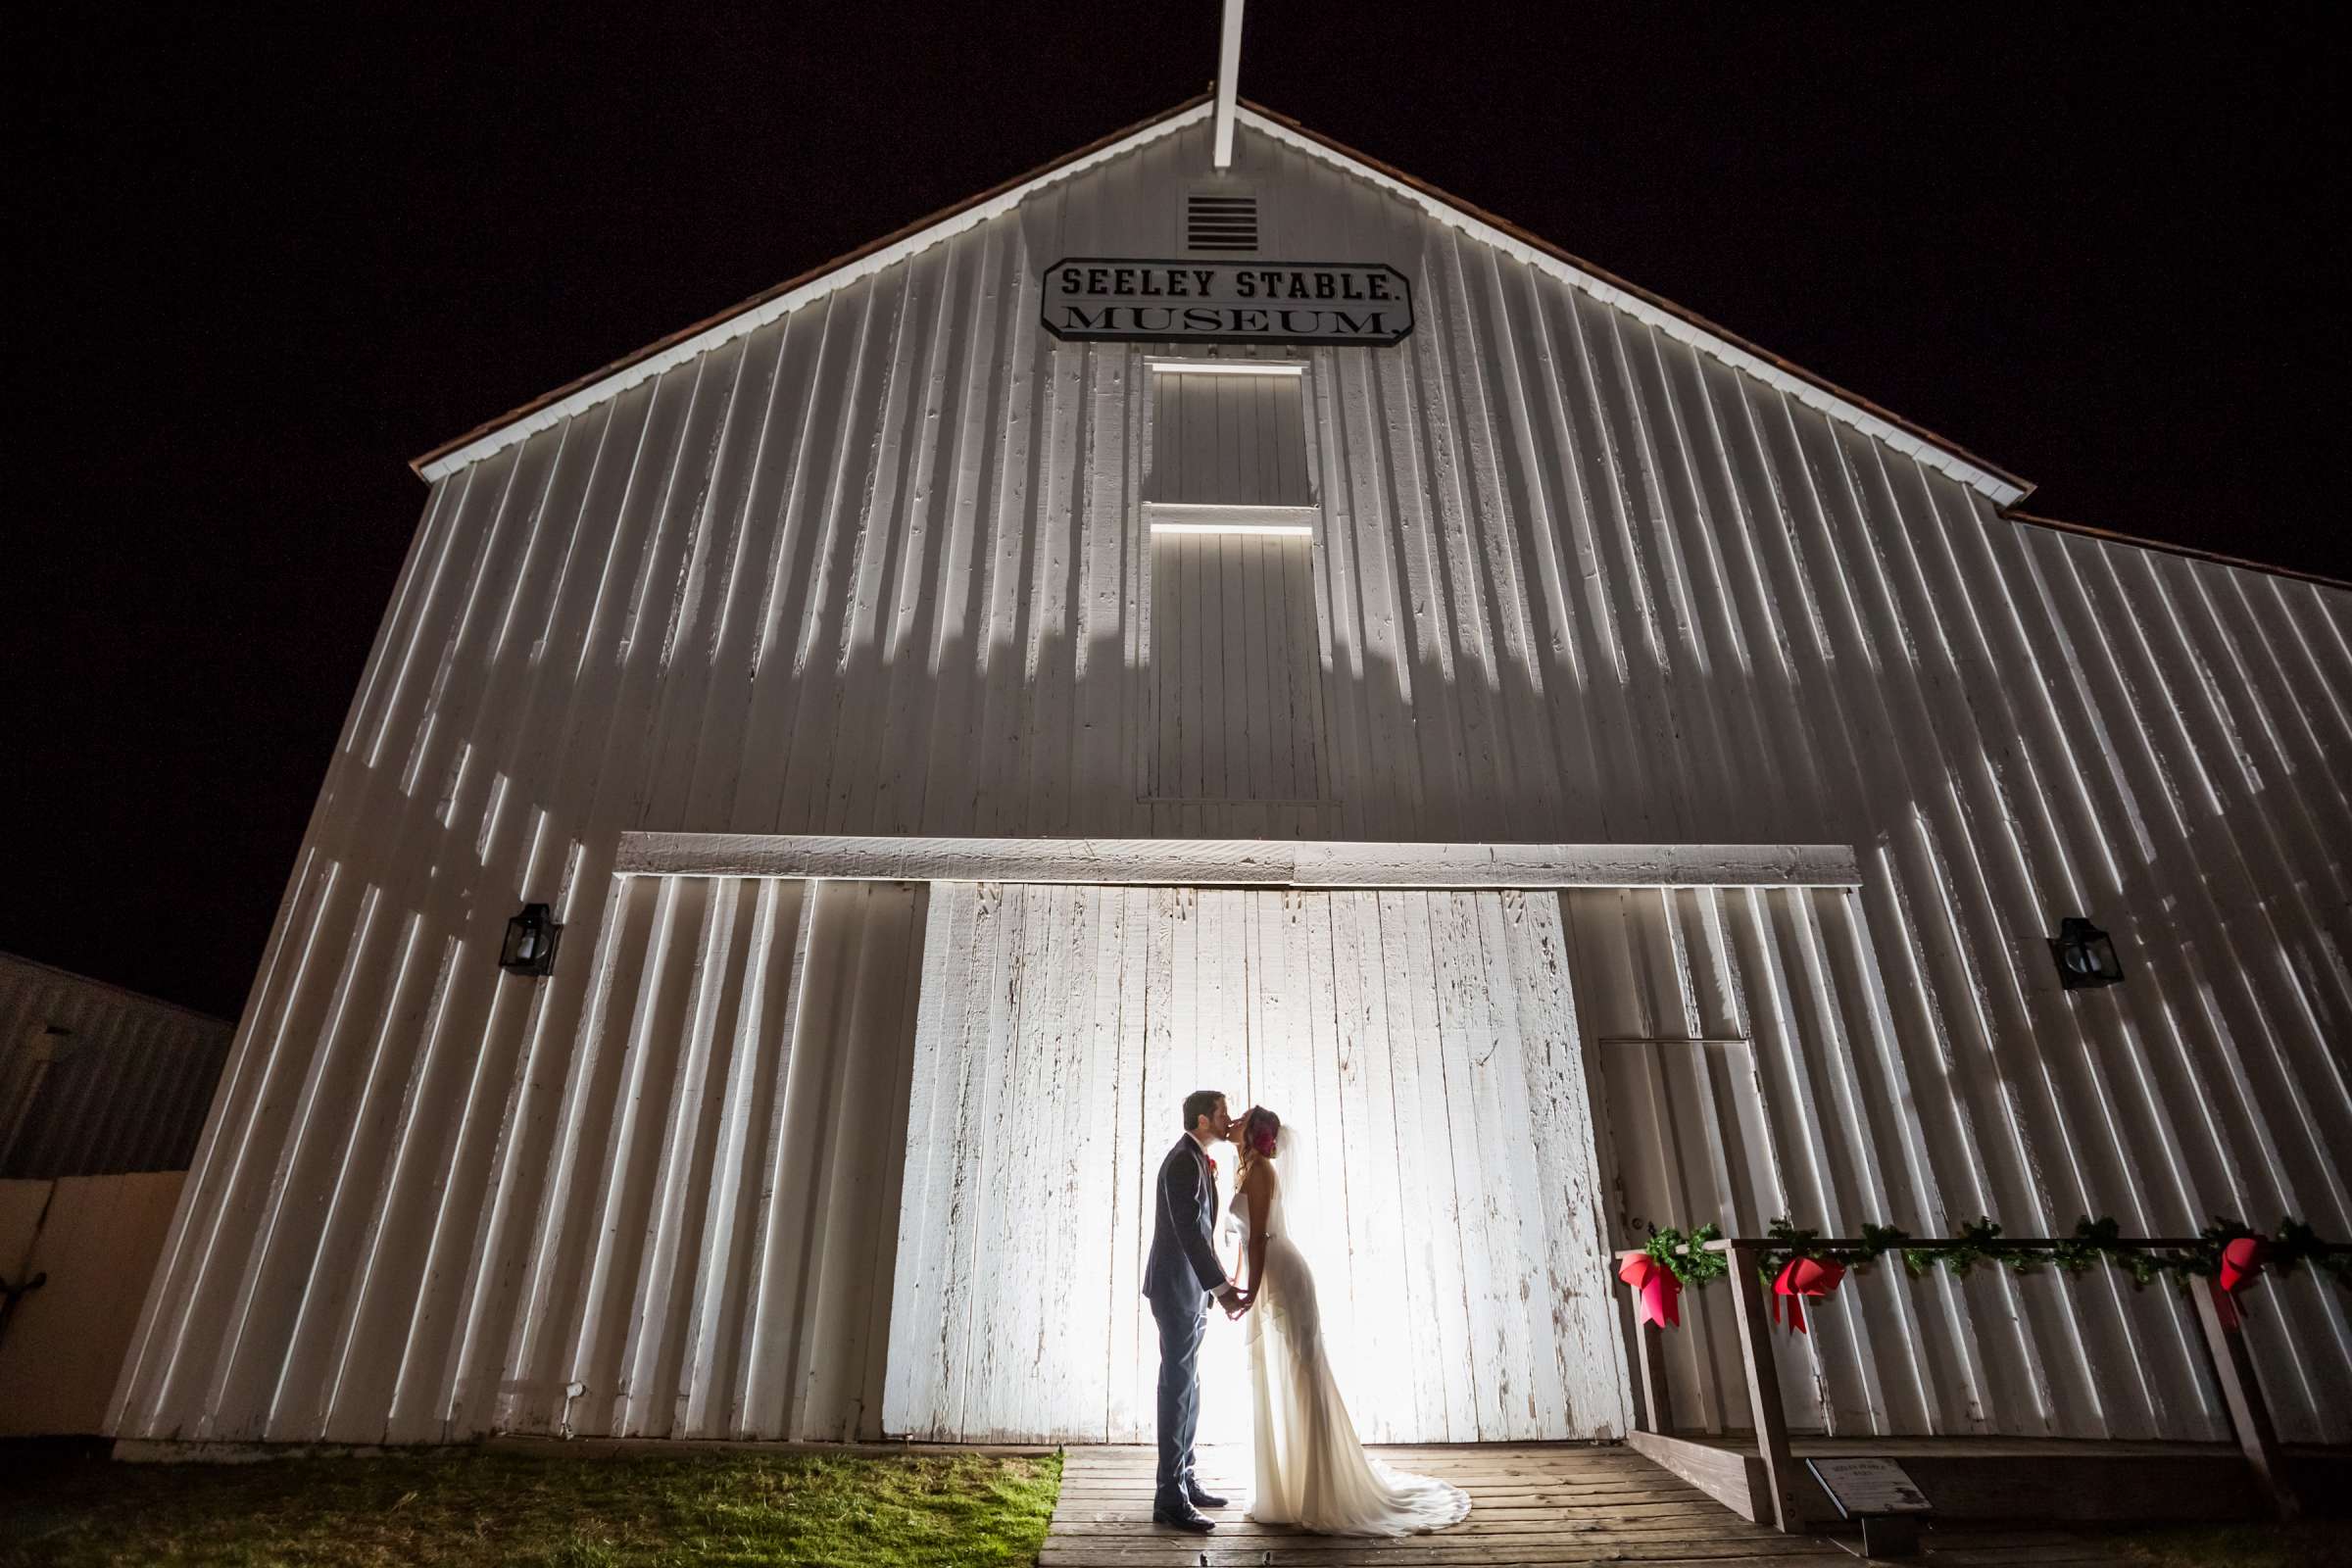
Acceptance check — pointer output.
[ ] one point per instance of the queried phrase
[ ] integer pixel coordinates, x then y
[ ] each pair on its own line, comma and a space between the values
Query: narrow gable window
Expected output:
1228, 433
1236, 669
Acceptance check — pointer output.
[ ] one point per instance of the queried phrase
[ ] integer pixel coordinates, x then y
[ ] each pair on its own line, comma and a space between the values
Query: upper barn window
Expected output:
1235, 672
1228, 433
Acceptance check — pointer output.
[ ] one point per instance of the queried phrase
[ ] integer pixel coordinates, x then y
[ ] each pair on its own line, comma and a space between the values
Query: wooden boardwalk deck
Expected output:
1530, 1504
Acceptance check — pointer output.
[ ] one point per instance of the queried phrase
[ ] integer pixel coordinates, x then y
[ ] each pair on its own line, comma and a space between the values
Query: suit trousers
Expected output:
1180, 1334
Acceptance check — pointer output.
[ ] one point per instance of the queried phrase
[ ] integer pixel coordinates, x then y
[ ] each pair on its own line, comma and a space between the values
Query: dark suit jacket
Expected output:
1182, 1268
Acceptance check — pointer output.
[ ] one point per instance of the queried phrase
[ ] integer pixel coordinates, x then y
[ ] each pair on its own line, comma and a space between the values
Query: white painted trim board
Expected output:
1236, 862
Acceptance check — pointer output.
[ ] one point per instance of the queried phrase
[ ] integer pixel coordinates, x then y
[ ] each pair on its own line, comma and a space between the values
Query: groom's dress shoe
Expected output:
1202, 1497
1191, 1519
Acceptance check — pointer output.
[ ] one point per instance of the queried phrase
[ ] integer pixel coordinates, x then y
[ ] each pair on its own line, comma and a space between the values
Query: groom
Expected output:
1179, 1277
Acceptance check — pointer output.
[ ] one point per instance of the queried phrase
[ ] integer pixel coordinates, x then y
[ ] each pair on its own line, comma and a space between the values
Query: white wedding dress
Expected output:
1311, 1469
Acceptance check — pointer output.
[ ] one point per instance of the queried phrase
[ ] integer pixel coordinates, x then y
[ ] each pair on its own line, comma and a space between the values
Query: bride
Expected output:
1311, 1470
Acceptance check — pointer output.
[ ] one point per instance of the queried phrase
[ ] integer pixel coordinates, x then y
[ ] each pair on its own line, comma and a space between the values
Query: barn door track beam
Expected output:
1236, 862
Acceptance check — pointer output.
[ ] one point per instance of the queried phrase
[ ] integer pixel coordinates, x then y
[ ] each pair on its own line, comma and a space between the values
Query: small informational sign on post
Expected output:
1861, 1486
1876, 1495
1127, 298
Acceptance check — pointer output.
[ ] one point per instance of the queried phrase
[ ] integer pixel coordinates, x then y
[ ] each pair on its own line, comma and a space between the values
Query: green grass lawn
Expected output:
74, 1507
2309, 1544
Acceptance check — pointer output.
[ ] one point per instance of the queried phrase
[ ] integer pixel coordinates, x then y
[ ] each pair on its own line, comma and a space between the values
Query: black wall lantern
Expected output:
530, 942
2086, 954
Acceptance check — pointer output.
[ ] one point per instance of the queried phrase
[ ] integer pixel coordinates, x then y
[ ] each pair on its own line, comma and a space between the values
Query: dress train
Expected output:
1310, 1468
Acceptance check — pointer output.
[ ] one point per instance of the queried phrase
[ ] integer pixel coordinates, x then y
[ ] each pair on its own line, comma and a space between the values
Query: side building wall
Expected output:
877, 568
96, 1080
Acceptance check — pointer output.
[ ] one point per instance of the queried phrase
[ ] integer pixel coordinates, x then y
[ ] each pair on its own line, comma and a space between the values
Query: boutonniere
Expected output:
1212, 1163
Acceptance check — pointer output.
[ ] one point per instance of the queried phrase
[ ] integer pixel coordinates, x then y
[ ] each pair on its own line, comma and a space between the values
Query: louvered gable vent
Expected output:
1220, 218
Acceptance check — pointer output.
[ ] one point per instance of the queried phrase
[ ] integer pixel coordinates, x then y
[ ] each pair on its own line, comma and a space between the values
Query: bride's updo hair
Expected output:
1261, 1130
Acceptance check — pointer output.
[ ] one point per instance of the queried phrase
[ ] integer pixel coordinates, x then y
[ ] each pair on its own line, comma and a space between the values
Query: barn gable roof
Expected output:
1924, 444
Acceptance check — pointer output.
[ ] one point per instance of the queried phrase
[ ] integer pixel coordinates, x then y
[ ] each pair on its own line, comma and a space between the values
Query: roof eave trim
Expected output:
920, 235
2109, 536
141, 998
1921, 445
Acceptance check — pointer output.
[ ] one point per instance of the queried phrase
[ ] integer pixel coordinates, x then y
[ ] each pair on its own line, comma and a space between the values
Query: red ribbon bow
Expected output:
1800, 1278
1656, 1289
2241, 1266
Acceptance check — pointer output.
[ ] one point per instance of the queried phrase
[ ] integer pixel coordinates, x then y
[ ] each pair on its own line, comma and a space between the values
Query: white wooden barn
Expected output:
1272, 627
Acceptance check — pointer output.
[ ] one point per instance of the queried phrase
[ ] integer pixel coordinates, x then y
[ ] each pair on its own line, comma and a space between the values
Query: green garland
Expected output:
1685, 1255
2287, 1248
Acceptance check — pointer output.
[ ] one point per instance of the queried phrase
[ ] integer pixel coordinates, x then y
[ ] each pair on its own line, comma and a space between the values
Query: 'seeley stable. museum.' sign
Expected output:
1121, 298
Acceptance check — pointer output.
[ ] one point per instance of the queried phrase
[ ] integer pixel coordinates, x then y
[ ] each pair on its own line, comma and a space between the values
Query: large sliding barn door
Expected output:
1425, 1046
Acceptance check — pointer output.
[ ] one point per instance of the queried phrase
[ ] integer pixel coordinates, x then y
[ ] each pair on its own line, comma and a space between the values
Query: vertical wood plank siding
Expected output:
128, 1087
722, 1158
1236, 694
878, 567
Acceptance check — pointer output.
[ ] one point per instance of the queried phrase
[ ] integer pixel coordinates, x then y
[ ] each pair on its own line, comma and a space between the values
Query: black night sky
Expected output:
267, 255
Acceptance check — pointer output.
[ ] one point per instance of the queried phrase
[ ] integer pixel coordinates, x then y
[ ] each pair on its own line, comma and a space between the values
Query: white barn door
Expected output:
1423, 1044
